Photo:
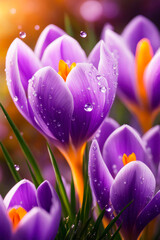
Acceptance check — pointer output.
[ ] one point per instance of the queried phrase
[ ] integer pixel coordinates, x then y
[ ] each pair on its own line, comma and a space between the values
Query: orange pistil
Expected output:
144, 54
16, 215
127, 159
64, 69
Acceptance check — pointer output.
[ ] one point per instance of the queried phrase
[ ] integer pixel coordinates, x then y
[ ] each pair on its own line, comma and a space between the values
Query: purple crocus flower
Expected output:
139, 70
61, 93
30, 214
152, 142
118, 178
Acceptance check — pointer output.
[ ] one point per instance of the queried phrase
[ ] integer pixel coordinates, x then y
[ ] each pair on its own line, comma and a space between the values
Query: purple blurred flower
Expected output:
139, 69
30, 214
115, 184
60, 92
152, 142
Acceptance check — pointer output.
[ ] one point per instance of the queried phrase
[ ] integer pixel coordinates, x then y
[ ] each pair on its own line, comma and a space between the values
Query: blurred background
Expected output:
26, 19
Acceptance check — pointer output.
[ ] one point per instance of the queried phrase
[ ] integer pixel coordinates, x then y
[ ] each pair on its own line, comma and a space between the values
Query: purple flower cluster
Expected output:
67, 97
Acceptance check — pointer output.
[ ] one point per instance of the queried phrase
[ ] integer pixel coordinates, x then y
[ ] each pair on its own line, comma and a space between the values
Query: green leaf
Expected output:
60, 183
73, 197
10, 163
68, 26
32, 175
110, 225
24, 147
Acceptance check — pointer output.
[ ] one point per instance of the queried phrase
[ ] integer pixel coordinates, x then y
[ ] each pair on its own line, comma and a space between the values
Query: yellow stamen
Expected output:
64, 69
16, 215
127, 159
144, 54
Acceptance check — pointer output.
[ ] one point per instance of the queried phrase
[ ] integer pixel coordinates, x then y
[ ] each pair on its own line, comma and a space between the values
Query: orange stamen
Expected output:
144, 54
127, 159
64, 69
16, 215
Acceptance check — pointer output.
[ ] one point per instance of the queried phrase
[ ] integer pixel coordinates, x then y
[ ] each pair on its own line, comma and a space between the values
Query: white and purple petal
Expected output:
100, 178
64, 48
52, 103
124, 140
134, 182
126, 75
152, 81
48, 35
22, 194
107, 127
5, 224
151, 210
141, 27
85, 84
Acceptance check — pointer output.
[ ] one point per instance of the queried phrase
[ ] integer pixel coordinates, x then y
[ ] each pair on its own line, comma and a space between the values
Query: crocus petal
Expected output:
49, 34
5, 224
152, 81
85, 84
106, 64
22, 194
94, 55
35, 225
141, 27
48, 200
21, 64
151, 210
52, 103
100, 178
109, 69
126, 75
136, 182
65, 48
152, 141
124, 140
107, 127
105, 28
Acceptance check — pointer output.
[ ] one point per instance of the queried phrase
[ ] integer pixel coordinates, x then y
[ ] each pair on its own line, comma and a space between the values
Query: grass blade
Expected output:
10, 163
60, 183
73, 197
68, 26
24, 147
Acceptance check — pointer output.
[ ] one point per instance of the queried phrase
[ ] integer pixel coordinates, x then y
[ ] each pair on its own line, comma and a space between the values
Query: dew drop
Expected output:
22, 34
102, 89
10, 137
83, 34
125, 182
16, 167
88, 107
15, 98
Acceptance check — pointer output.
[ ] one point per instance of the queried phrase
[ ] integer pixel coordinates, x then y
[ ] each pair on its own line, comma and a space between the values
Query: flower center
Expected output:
144, 54
15, 215
64, 69
127, 159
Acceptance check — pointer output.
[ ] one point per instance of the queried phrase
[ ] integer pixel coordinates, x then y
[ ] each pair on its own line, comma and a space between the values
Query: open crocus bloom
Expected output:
30, 214
128, 179
139, 67
60, 93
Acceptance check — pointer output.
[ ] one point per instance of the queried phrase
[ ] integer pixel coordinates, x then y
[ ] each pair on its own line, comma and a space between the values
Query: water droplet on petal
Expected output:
16, 167
125, 182
22, 34
88, 107
102, 89
83, 34
10, 137
15, 98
